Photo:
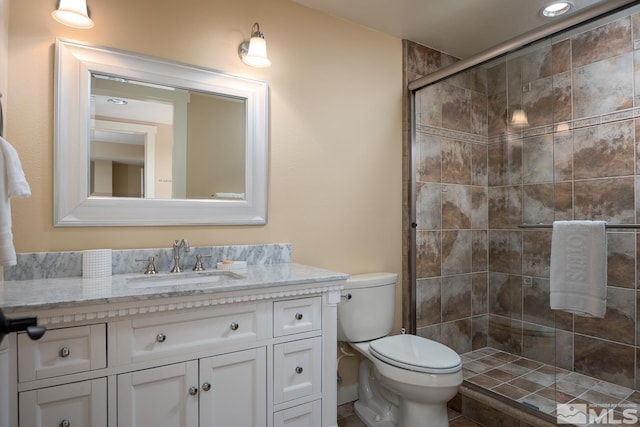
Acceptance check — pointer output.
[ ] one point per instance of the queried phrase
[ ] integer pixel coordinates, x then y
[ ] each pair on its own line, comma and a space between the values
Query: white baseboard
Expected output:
347, 394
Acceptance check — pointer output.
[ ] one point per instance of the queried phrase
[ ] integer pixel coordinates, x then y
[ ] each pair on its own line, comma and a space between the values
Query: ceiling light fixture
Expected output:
556, 9
254, 52
73, 13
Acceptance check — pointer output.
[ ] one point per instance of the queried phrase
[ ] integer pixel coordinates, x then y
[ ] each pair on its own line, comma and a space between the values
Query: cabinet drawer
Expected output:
297, 369
297, 315
62, 351
307, 415
79, 404
168, 335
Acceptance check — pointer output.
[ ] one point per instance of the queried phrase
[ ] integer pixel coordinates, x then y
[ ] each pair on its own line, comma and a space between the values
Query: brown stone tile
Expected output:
594, 357
456, 297
456, 207
618, 323
562, 97
604, 151
592, 86
479, 328
463, 422
561, 52
480, 251
505, 207
505, 251
510, 391
479, 114
538, 343
507, 357
570, 388
428, 302
605, 199
539, 101
525, 384
563, 156
428, 206
479, 208
527, 363
556, 395
505, 295
457, 335
606, 41
479, 164
484, 381
505, 334
428, 158
621, 268
485, 415
536, 253
428, 257
538, 203
479, 289
456, 252
500, 375
456, 162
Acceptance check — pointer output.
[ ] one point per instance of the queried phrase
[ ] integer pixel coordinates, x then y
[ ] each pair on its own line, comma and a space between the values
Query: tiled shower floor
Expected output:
540, 386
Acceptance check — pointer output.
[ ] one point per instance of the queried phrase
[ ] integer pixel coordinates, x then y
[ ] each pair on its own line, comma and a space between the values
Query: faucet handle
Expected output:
198, 266
151, 267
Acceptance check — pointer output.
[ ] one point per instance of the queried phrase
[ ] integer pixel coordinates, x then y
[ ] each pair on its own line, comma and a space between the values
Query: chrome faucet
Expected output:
184, 243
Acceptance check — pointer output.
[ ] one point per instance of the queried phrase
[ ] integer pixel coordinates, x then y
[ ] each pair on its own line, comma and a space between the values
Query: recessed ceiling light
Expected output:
556, 9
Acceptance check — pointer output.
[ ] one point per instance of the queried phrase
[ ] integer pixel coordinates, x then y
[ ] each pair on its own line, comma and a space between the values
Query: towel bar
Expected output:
606, 226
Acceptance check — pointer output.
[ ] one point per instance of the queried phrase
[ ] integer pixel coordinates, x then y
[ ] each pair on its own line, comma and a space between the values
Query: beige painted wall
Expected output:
335, 189
335, 123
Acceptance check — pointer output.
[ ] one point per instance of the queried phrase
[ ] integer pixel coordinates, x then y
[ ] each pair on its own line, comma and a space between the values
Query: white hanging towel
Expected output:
579, 267
13, 184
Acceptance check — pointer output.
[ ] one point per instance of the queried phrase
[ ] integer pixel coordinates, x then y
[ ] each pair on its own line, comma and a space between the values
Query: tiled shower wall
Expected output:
482, 281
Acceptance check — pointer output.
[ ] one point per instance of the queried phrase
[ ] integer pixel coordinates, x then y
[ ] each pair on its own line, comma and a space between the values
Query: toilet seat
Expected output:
416, 354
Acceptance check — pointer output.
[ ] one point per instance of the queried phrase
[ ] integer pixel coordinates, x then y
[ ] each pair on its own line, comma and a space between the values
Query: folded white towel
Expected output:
13, 184
579, 267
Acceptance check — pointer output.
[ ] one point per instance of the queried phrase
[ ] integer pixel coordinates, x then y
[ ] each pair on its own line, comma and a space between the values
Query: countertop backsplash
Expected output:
46, 265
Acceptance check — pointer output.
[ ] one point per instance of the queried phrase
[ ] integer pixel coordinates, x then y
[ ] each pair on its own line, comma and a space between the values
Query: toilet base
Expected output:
370, 418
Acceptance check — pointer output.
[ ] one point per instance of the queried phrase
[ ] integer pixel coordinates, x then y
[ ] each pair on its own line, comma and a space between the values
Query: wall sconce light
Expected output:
519, 118
254, 52
73, 13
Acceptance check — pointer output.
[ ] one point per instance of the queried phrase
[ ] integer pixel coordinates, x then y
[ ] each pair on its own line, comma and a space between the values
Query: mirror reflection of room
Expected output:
155, 141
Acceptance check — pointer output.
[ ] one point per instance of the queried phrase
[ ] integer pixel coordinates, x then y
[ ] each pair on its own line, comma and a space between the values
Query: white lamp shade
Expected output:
73, 13
256, 55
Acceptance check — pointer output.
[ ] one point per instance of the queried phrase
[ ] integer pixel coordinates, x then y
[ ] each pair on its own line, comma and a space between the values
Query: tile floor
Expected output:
540, 386
531, 383
348, 418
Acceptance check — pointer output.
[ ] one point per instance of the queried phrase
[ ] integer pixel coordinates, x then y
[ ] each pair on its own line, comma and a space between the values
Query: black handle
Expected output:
28, 324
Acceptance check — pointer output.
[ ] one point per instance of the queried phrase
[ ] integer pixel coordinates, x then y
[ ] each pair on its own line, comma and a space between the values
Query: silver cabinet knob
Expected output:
234, 326
161, 337
64, 352
65, 423
298, 316
193, 391
206, 387
299, 369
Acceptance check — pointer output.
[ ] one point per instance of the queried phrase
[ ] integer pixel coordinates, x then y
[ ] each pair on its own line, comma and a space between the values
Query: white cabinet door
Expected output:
76, 404
307, 415
234, 389
166, 396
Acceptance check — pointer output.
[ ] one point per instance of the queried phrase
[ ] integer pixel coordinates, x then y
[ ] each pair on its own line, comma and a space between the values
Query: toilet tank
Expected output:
366, 310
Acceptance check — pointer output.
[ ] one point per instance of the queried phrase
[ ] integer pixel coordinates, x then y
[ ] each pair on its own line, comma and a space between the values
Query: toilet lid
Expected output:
416, 353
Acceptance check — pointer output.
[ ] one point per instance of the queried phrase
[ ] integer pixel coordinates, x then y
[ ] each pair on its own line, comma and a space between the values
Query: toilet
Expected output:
404, 380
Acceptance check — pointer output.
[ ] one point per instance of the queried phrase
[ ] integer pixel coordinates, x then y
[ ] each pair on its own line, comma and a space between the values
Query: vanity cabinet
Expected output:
251, 360
223, 390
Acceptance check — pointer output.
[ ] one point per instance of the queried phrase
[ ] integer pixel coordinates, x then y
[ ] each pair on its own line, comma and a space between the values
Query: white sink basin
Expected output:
184, 278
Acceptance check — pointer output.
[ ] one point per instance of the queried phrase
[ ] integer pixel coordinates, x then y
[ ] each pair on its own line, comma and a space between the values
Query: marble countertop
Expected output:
43, 294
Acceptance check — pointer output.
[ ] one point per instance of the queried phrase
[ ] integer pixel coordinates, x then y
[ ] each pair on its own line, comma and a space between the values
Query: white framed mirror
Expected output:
140, 140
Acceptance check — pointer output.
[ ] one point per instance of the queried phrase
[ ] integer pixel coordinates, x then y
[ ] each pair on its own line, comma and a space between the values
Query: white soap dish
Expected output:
232, 266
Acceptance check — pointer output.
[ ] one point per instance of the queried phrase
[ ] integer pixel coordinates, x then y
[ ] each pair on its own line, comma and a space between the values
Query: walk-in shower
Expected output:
549, 131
